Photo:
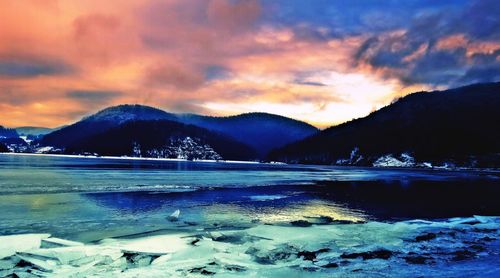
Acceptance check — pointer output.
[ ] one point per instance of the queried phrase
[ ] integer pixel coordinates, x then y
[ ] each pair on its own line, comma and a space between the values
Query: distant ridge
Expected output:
262, 131
33, 130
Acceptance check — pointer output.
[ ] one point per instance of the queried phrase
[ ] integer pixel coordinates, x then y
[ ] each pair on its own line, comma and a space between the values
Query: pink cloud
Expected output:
157, 53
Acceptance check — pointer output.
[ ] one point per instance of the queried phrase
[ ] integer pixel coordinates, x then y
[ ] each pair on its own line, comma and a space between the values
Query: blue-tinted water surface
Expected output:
92, 198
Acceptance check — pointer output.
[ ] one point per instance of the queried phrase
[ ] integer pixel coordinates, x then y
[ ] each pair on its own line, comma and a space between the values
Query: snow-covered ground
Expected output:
318, 247
405, 160
134, 158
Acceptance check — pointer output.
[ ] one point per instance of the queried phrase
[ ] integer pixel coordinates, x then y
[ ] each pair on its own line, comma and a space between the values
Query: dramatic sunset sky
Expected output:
323, 62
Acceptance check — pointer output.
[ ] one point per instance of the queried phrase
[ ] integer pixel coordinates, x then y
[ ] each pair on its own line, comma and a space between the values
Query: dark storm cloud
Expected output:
482, 20
93, 96
214, 72
433, 65
31, 68
309, 83
348, 17
489, 73
437, 67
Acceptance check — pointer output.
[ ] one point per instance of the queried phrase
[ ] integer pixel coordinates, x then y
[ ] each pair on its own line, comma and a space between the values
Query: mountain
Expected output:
33, 130
260, 131
111, 117
163, 139
458, 126
3, 148
8, 133
10, 141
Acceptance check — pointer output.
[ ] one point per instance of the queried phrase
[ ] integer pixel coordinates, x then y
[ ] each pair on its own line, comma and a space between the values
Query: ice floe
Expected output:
323, 247
9, 245
51, 242
175, 215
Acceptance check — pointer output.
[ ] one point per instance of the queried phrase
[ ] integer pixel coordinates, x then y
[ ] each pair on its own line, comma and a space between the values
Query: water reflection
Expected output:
116, 197
382, 200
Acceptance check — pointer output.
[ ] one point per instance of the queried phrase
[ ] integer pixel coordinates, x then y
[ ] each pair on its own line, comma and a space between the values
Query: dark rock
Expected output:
331, 265
417, 259
425, 237
451, 234
201, 270
195, 241
138, 260
281, 253
263, 260
310, 269
206, 272
484, 230
235, 238
477, 247
301, 223
22, 264
461, 255
311, 256
190, 223
307, 256
236, 268
325, 219
472, 222
377, 254
343, 222
280, 256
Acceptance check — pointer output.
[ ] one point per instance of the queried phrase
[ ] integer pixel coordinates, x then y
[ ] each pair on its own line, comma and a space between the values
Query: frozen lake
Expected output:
90, 199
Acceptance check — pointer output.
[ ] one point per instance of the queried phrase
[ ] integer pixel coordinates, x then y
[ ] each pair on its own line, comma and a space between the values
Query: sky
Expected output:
321, 61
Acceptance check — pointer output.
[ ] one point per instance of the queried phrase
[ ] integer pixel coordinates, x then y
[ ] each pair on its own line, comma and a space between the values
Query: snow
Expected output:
43, 150
134, 158
25, 139
404, 160
354, 158
182, 148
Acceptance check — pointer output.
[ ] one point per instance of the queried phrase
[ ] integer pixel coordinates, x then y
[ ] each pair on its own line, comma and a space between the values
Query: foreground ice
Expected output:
9, 245
317, 247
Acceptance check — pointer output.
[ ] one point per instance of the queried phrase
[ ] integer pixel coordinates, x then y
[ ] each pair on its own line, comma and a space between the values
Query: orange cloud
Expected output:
54, 66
